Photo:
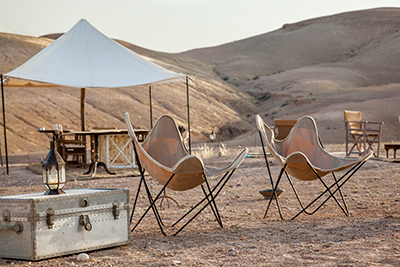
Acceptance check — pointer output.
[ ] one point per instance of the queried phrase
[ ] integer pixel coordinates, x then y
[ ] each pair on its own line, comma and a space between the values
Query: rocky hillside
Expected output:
317, 67
212, 101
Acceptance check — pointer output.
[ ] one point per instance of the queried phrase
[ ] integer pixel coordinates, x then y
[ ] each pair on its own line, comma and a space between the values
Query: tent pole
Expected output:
83, 100
151, 109
4, 122
188, 114
1, 157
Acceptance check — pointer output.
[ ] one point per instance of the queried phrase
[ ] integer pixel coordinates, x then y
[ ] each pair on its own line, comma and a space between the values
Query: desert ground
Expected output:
369, 237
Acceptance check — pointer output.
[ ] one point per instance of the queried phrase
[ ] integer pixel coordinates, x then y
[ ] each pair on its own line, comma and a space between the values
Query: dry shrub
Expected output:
204, 152
223, 150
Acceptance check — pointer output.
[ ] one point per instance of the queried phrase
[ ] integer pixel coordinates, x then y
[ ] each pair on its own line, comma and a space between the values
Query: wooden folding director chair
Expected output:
361, 135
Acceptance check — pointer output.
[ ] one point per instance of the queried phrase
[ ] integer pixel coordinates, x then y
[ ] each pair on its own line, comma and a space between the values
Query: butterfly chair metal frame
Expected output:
210, 194
353, 165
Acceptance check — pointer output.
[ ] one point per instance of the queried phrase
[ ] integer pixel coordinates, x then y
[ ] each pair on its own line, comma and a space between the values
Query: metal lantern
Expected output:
213, 136
54, 176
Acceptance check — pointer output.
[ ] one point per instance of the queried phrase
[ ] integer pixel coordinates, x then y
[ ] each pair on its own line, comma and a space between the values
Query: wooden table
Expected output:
141, 134
116, 150
393, 146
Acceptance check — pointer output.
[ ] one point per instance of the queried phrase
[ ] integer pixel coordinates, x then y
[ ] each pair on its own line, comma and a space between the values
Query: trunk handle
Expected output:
17, 227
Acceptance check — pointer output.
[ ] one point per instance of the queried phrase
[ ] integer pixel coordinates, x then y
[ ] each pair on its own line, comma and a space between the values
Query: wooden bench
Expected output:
393, 146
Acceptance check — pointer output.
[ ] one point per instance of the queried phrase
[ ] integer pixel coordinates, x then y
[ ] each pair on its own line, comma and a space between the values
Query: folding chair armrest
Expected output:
372, 130
374, 126
374, 122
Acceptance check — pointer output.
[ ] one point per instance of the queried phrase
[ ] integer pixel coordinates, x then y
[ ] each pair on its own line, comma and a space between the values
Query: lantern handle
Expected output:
52, 143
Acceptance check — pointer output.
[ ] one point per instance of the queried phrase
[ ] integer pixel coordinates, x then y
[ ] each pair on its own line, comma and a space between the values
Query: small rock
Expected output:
232, 252
328, 245
167, 254
82, 257
176, 262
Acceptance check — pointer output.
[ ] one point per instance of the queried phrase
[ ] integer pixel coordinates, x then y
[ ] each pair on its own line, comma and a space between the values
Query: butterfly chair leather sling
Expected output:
301, 156
164, 156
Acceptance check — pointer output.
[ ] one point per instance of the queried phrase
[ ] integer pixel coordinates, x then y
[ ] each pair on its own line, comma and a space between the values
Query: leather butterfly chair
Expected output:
301, 156
164, 156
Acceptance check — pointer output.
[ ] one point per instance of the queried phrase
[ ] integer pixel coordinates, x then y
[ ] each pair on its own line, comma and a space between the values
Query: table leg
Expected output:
96, 163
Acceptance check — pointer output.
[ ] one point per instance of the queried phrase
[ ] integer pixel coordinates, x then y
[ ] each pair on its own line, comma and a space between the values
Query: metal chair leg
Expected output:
215, 192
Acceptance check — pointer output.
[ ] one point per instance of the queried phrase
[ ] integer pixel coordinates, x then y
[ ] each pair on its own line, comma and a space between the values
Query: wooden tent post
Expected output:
188, 114
4, 122
83, 100
151, 109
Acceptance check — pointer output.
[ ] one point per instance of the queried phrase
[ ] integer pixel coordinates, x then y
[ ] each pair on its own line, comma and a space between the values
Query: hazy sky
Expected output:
170, 25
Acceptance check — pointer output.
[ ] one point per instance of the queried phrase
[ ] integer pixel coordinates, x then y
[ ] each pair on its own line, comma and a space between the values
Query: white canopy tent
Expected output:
83, 57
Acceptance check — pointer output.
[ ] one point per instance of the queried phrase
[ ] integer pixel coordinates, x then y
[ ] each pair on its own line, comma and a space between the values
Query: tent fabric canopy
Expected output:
84, 58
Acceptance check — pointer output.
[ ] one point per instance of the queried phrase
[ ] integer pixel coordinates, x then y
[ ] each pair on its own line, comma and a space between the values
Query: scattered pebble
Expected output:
328, 245
82, 257
167, 254
232, 252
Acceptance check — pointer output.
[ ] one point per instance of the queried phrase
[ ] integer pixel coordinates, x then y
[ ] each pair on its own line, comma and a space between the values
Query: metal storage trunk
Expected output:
37, 226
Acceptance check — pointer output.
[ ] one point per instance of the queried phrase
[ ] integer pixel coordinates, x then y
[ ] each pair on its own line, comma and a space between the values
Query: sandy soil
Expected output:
369, 237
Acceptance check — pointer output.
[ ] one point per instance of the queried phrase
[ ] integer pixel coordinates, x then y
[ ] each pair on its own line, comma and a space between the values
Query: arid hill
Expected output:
212, 102
317, 67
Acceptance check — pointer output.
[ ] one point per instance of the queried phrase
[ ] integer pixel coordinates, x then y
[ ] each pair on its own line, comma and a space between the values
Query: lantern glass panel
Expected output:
62, 176
53, 178
44, 175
